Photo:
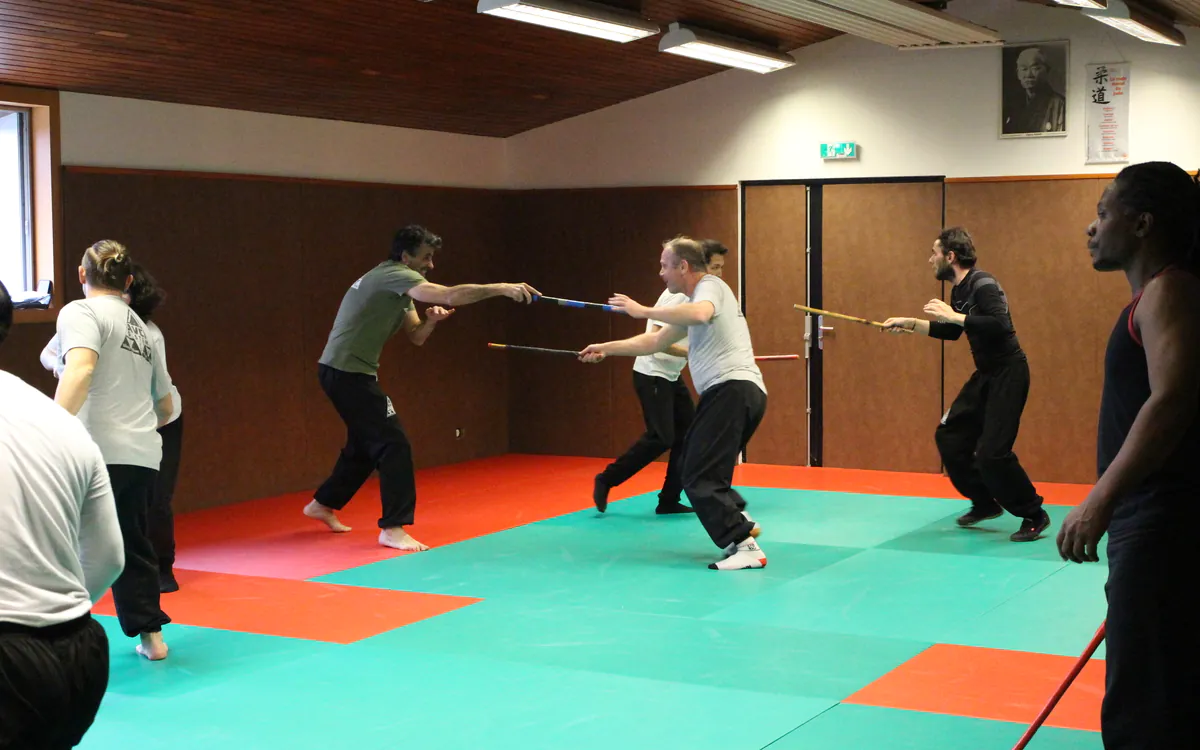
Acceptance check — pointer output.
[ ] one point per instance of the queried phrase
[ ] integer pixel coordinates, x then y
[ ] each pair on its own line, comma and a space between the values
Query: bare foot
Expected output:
152, 646
321, 513
398, 538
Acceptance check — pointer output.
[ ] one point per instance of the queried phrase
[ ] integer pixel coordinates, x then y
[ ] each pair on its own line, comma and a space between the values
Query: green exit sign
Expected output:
844, 150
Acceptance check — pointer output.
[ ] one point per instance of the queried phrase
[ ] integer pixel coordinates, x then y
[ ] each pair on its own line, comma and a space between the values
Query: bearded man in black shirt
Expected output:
976, 436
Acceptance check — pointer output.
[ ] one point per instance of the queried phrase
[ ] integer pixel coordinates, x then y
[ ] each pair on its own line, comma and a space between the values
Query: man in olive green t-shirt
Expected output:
375, 307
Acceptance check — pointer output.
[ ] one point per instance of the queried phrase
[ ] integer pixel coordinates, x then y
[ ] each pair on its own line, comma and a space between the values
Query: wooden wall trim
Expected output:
622, 187
189, 174
246, 177
1037, 178
1030, 178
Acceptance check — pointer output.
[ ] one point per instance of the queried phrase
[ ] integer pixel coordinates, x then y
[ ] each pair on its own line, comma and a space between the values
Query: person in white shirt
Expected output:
667, 409
60, 550
145, 295
121, 392
733, 399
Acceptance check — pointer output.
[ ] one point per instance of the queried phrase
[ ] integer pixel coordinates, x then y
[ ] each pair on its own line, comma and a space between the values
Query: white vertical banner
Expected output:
1106, 113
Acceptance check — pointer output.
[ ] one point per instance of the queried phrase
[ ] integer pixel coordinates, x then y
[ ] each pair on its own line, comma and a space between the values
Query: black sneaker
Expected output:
672, 507
1032, 528
977, 515
600, 493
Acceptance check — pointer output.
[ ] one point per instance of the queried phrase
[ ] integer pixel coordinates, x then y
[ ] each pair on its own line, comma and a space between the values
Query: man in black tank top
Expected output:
976, 436
1147, 496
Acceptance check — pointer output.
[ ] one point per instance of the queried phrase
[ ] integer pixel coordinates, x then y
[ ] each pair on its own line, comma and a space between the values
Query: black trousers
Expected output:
52, 681
668, 412
976, 437
161, 518
1152, 689
136, 590
726, 418
374, 440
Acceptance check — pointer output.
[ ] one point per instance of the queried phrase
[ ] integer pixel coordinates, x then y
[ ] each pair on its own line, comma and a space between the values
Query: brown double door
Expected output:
859, 399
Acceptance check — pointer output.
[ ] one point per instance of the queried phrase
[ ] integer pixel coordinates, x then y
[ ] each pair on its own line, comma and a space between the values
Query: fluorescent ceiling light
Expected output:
713, 48
573, 15
1081, 3
1139, 22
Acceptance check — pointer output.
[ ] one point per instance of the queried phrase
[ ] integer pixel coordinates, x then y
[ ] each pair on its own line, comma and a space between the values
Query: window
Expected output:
30, 216
16, 221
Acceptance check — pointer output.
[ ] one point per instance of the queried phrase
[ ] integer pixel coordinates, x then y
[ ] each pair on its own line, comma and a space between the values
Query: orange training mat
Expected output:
881, 482
270, 537
991, 684
293, 609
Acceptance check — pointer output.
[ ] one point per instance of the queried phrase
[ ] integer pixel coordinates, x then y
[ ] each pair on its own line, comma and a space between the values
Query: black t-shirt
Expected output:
989, 325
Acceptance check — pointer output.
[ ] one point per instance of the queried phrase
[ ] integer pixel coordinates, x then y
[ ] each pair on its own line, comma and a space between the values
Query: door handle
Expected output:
821, 329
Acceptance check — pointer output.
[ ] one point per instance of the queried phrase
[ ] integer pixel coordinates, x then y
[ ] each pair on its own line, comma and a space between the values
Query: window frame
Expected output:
45, 170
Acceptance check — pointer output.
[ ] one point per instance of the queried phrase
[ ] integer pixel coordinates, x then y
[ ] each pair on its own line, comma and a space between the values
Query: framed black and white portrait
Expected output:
1034, 89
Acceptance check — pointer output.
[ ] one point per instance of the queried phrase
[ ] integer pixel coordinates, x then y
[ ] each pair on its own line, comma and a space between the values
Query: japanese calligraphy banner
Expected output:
1106, 115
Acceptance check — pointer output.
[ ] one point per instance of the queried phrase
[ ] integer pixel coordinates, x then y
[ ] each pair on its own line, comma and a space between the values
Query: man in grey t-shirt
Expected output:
733, 398
375, 307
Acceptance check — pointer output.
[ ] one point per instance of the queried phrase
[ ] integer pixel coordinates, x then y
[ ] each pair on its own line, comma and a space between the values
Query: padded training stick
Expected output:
577, 303
533, 349
576, 354
839, 316
1097, 639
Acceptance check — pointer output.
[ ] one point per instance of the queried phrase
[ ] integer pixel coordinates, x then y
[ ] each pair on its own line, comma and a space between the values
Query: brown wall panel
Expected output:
586, 245
255, 271
776, 271
882, 395
1031, 235
19, 354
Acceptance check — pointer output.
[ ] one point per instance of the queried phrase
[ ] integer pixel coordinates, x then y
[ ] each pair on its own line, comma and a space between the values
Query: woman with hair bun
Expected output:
112, 380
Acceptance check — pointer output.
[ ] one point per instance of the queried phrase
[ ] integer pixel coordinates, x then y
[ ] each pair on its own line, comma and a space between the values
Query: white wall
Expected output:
912, 113
111, 132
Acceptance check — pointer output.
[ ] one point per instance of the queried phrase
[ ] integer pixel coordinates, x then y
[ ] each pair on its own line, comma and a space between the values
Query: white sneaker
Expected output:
747, 555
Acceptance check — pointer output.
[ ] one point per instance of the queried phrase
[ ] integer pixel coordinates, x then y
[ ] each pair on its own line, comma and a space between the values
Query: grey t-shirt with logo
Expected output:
128, 380
720, 350
372, 310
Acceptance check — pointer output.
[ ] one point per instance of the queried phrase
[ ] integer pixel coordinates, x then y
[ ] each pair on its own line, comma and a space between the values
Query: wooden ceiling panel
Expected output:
1185, 12
1182, 12
430, 65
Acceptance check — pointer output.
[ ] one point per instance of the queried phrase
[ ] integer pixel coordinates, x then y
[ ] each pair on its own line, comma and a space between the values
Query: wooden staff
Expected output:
1097, 639
533, 349
839, 316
